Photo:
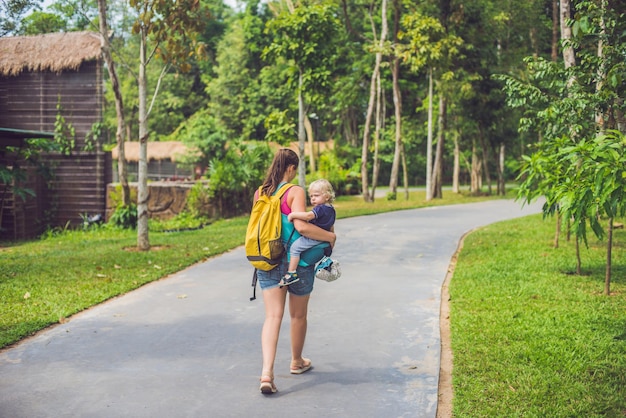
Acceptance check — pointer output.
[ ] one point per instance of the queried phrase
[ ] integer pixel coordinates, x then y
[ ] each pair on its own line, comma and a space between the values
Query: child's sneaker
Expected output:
288, 279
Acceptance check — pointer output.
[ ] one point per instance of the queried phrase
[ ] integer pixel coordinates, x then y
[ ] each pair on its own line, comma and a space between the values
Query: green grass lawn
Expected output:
529, 337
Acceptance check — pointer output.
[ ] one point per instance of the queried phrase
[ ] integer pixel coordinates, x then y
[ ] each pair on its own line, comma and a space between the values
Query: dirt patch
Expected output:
153, 248
445, 392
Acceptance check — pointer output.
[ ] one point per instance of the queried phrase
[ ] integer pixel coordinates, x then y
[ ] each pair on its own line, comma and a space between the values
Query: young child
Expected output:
322, 195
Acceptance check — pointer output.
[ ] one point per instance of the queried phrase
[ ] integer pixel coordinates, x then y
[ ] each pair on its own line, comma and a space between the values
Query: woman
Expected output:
283, 170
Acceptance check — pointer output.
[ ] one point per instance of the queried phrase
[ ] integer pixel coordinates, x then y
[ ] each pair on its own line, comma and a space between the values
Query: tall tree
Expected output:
168, 31
374, 82
397, 101
428, 46
119, 103
304, 35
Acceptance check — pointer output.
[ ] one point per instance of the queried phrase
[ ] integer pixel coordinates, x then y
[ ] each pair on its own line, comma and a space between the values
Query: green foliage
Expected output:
41, 22
184, 221
205, 137
124, 216
345, 180
198, 199
305, 36
64, 132
429, 44
234, 178
280, 127
93, 136
575, 167
173, 27
13, 174
594, 185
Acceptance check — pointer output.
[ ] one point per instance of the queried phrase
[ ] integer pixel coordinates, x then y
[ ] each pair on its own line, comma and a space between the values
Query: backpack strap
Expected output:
254, 280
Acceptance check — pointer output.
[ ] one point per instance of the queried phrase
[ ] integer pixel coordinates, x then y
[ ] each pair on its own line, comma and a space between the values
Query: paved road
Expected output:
188, 345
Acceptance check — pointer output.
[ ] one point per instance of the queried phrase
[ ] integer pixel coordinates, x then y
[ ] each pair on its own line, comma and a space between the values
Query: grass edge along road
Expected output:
529, 337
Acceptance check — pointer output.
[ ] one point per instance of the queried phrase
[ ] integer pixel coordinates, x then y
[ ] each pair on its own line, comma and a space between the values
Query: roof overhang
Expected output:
15, 137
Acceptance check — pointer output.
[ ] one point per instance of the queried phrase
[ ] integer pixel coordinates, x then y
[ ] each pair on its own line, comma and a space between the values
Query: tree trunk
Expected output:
476, 172
429, 140
609, 248
301, 135
310, 140
457, 165
370, 105
569, 57
555, 30
437, 189
122, 169
405, 173
557, 231
578, 262
397, 102
350, 127
143, 240
485, 165
600, 117
501, 182
620, 117
379, 121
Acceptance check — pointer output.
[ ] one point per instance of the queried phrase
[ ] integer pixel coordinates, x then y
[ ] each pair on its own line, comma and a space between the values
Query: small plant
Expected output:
64, 132
91, 139
184, 221
198, 200
125, 216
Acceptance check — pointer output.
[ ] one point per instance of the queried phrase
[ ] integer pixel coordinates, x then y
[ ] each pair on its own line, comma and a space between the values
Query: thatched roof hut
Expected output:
53, 52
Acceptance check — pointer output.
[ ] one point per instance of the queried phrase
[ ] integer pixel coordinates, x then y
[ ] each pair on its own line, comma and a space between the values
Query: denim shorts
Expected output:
303, 287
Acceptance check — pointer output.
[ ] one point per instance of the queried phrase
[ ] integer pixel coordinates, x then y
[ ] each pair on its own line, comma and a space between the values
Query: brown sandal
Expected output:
306, 366
267, 385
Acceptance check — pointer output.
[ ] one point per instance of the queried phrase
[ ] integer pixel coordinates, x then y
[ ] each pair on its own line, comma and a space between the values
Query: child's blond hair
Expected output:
323, 186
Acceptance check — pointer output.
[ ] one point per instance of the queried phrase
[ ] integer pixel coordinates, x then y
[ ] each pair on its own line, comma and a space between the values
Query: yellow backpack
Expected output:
264, 246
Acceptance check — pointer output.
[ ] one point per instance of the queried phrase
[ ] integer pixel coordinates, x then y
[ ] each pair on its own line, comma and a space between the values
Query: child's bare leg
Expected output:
292, 275
293, 263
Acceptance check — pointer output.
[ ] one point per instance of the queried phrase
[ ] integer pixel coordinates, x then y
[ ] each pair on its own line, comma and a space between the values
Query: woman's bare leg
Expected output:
274, 300
298, 309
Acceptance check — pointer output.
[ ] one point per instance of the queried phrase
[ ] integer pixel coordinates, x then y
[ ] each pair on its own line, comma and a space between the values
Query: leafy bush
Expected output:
124, 216
184, 221
198, 199
345, 181
234, 178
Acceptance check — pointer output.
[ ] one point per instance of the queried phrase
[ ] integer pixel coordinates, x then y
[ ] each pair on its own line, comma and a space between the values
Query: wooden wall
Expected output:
78, 186
29, 101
